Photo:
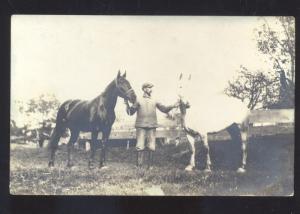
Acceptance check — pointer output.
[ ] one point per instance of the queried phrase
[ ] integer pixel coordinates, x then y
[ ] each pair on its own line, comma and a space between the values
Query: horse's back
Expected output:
72, 111
216, 113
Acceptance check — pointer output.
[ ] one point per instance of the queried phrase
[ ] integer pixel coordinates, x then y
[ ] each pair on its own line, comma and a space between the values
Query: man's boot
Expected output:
150, 159
139, 160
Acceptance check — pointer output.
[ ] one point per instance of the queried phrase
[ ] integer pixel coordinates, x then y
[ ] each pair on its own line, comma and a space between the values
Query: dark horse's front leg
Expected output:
93, 148
73, 139
105, 137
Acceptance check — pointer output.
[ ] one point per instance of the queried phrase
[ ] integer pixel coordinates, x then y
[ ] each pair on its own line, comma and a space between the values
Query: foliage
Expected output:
253, 88
286, 94
274, 88
39, 109
277, 41
44, 104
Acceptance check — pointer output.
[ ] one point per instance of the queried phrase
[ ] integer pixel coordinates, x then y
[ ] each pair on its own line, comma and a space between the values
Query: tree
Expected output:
277, 41
286, 93
274, 88
46, 105
256, 89
35, 110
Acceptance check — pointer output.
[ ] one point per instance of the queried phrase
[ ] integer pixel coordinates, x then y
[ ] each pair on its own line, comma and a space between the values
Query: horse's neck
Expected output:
110, 96
182, 114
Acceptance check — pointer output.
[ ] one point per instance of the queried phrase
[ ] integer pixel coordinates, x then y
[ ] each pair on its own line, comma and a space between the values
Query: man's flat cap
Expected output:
147, 85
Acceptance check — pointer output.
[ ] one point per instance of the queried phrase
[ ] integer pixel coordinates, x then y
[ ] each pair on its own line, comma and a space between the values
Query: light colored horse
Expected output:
210, 113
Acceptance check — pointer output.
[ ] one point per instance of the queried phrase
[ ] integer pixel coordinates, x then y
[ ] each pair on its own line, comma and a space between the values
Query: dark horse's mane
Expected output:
96, 115
97, 108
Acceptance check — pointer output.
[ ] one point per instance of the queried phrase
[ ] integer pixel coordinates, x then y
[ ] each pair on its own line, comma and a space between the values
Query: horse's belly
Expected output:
216, 114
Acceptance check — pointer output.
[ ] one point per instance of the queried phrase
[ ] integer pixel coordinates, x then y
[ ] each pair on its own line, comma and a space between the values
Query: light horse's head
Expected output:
124, 88
184, 84
182, 102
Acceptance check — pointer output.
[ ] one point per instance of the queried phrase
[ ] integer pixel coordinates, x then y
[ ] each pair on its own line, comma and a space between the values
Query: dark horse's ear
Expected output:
124, 75
119, 74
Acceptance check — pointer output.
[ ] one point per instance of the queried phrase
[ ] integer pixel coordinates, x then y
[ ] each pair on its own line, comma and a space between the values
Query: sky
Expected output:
76, 57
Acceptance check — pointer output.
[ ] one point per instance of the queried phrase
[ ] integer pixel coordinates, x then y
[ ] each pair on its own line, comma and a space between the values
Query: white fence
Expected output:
261, 123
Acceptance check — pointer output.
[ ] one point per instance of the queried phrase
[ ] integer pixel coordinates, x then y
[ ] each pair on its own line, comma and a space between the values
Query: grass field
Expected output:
29, 174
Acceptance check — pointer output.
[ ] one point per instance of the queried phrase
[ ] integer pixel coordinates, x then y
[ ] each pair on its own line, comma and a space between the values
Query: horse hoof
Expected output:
51, 164
91, 166
189, 168
240, 170
69, 165
103, 167
138, 167
150, 168
207, 170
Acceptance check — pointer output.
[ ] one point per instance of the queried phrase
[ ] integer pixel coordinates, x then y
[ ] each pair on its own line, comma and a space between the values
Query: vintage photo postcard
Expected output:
152, 105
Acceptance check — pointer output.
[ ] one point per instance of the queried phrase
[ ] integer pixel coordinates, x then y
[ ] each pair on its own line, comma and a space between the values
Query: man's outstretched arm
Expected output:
163, 108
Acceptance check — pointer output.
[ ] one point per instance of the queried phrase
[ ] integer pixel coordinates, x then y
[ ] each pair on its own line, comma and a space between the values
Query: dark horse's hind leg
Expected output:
73, 139
93, 149
103, 153
53, 144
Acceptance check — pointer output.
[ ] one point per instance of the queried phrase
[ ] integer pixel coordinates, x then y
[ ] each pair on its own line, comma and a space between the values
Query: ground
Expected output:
29, 174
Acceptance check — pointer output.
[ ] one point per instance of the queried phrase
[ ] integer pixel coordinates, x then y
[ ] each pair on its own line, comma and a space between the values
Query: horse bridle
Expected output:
126, 93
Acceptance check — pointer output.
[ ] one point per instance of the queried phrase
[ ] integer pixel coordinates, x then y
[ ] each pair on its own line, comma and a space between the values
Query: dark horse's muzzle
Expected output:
130, 95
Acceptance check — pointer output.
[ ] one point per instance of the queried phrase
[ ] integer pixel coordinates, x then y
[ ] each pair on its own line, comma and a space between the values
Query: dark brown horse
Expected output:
93, 116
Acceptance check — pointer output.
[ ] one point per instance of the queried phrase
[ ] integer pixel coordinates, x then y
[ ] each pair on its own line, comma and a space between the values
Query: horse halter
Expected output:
126, 93
183, 105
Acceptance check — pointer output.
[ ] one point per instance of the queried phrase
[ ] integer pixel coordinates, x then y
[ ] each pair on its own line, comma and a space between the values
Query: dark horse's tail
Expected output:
60, 126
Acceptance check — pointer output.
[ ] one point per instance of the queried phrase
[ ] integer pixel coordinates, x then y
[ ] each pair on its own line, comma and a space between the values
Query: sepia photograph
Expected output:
152, 105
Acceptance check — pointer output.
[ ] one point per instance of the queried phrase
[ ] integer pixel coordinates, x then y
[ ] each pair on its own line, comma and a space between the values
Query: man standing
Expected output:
146, 122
